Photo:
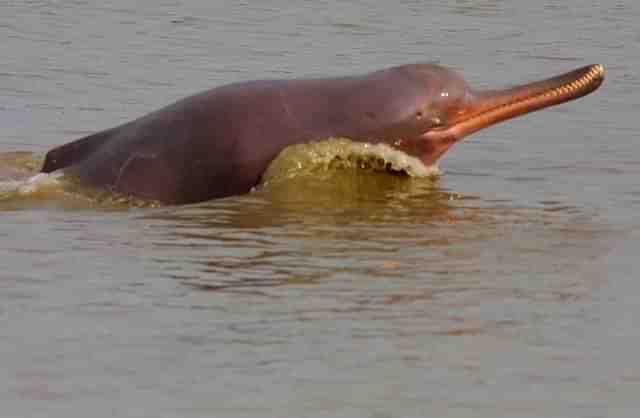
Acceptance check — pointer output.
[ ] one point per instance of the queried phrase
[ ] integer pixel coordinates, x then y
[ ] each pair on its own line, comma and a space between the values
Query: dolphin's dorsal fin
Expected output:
73, 152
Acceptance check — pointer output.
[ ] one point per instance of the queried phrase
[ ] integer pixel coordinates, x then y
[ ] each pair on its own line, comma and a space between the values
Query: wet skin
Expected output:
219, 142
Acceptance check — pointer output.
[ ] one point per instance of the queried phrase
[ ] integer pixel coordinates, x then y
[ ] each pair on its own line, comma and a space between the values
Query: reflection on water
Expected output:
331, 212
371, 225
322, 221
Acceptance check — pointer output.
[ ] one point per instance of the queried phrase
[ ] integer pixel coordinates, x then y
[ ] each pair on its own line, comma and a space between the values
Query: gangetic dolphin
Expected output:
218, 143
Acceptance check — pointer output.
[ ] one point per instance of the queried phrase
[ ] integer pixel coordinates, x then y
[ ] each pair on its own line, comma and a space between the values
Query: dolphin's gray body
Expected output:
219, 142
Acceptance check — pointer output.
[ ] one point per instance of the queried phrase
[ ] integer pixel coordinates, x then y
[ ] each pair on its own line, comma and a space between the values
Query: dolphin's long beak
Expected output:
490, 107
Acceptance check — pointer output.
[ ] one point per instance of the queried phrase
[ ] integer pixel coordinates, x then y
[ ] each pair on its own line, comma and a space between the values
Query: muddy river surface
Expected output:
507, 287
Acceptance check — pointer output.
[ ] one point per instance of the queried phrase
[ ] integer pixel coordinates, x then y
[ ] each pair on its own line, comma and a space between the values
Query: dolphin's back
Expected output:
74, 152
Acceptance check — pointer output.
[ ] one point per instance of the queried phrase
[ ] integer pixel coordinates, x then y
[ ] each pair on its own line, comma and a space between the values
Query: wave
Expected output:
336, 153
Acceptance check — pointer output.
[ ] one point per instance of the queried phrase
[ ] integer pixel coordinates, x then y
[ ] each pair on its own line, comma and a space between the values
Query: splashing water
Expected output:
33, 184
308, 159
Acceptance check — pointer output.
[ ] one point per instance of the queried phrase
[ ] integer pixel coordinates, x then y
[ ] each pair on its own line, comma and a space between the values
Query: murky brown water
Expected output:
507, 287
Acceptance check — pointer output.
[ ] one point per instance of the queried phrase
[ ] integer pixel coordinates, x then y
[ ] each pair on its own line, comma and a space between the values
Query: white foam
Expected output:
32, 184
396, 159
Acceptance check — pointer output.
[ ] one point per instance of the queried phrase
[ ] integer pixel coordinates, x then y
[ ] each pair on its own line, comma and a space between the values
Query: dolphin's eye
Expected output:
419, 114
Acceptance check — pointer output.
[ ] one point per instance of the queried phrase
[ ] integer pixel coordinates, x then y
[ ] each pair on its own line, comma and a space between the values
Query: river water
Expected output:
507, 287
